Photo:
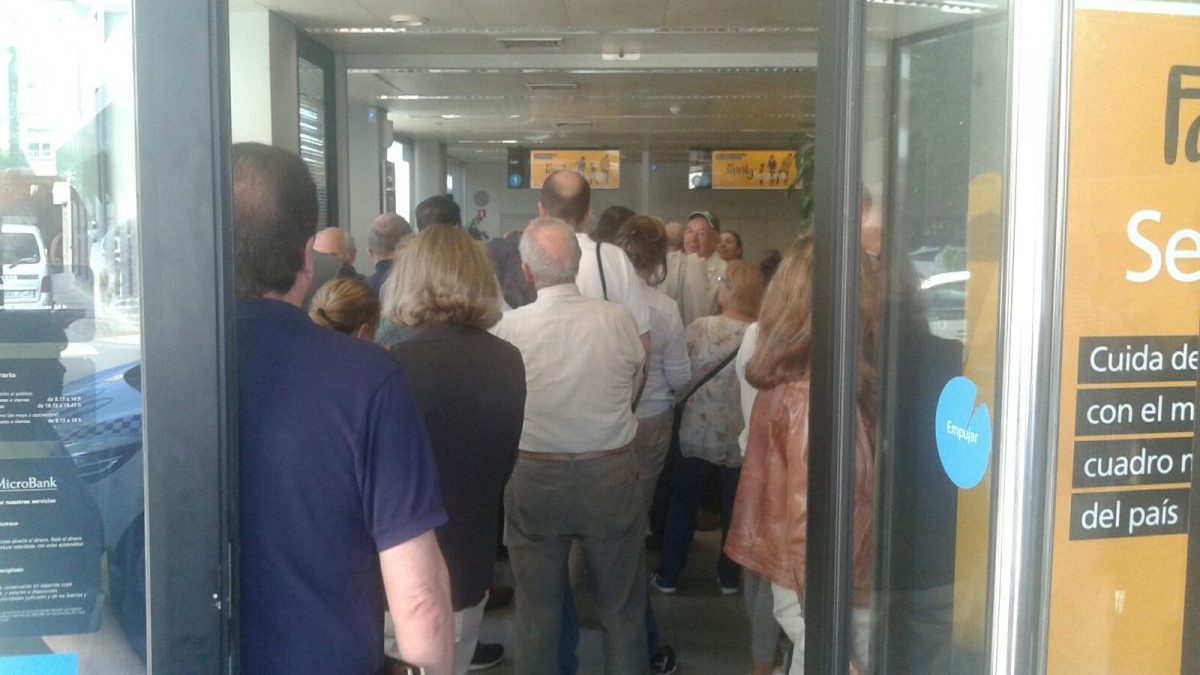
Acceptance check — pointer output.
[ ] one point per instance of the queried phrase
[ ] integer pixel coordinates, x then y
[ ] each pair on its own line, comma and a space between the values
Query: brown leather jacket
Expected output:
769, 531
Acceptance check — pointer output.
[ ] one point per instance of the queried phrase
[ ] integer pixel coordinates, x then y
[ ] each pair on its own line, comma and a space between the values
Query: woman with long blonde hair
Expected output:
769, 530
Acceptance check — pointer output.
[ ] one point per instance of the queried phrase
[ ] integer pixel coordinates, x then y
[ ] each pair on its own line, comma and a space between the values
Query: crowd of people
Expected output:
570, 392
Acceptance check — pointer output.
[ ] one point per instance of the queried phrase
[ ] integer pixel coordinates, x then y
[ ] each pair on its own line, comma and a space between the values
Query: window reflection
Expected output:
71, 514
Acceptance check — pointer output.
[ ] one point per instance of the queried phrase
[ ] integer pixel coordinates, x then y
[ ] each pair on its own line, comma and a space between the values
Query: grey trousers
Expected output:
760, 605
651, 443
597, 503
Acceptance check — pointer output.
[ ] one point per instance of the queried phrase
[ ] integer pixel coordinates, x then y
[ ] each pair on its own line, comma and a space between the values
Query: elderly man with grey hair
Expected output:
386, 233
576, 474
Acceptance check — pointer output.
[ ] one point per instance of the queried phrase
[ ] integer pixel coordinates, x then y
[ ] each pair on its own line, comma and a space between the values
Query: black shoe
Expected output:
664, 662
487, 655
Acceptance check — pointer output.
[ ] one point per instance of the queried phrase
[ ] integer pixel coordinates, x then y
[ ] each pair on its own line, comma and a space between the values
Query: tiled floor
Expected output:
709, 631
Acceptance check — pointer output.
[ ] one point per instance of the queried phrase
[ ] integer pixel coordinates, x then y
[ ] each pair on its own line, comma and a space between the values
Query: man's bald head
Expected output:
567, 196
387, 230
549, 252
674, 232
331, 240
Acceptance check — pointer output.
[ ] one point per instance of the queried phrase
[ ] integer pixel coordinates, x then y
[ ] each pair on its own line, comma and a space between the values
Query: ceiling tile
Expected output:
441, 13
312, 13
616, 13
742, 13
518, 13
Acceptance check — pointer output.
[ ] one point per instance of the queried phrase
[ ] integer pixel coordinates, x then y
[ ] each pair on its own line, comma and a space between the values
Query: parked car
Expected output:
946, 295
100, 428
26, 269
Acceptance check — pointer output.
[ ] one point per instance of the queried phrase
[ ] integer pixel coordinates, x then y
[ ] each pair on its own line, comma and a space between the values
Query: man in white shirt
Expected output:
703, 230
687, 283
604, 270
576, 474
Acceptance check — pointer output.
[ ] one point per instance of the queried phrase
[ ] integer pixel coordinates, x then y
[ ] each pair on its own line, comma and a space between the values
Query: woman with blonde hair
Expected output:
769, 530
710, 424
442, 297
346, 305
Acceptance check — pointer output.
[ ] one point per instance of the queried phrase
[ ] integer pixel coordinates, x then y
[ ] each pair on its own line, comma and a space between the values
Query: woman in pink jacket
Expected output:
769, 530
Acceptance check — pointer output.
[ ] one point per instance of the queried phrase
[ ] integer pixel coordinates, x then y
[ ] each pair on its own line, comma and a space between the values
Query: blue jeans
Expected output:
691, 475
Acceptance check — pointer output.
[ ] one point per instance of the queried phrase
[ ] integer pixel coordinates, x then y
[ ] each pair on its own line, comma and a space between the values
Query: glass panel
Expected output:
1129, 345
71, 501
932, 166
314, 133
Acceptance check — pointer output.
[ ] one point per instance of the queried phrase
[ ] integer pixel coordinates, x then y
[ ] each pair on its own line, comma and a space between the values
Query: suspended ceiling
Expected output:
660, 75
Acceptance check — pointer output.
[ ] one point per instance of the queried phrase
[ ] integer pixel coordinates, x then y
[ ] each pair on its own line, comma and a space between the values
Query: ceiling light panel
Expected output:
523, 33
409, 20
596, 97
531, 43
772, 70
948, 6
551, 86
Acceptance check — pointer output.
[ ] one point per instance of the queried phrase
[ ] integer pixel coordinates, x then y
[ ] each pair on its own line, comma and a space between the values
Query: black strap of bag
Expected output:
600, 266
681, 400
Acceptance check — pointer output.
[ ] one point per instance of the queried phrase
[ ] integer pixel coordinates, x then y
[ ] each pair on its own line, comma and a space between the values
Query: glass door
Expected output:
932, 170
111, 423
908, 295
1018, 176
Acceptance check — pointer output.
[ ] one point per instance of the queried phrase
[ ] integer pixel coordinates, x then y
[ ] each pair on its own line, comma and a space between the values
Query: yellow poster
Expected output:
601, 168
753, 169
1131, 308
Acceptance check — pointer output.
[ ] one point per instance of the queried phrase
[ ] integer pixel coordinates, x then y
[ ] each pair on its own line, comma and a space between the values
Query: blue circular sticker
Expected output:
515, 180
964, 433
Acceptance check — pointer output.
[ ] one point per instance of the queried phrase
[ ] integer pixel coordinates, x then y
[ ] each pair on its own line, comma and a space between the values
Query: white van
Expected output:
25, 270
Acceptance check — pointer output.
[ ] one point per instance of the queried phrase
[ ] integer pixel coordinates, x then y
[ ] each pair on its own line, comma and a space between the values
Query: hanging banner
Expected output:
601, 168
753, 169
1131, 308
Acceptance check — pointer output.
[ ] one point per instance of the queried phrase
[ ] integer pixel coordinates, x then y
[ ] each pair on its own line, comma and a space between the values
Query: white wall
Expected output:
250, 75
765, 219
264, 87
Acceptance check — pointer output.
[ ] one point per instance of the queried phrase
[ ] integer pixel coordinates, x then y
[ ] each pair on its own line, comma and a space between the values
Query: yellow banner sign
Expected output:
601, 168
1131, 308
753, 169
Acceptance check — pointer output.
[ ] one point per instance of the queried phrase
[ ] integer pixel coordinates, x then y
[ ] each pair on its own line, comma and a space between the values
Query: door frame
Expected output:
181, 65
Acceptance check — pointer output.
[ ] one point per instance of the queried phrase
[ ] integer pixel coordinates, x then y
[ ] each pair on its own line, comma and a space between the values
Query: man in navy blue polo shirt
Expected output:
339, 491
